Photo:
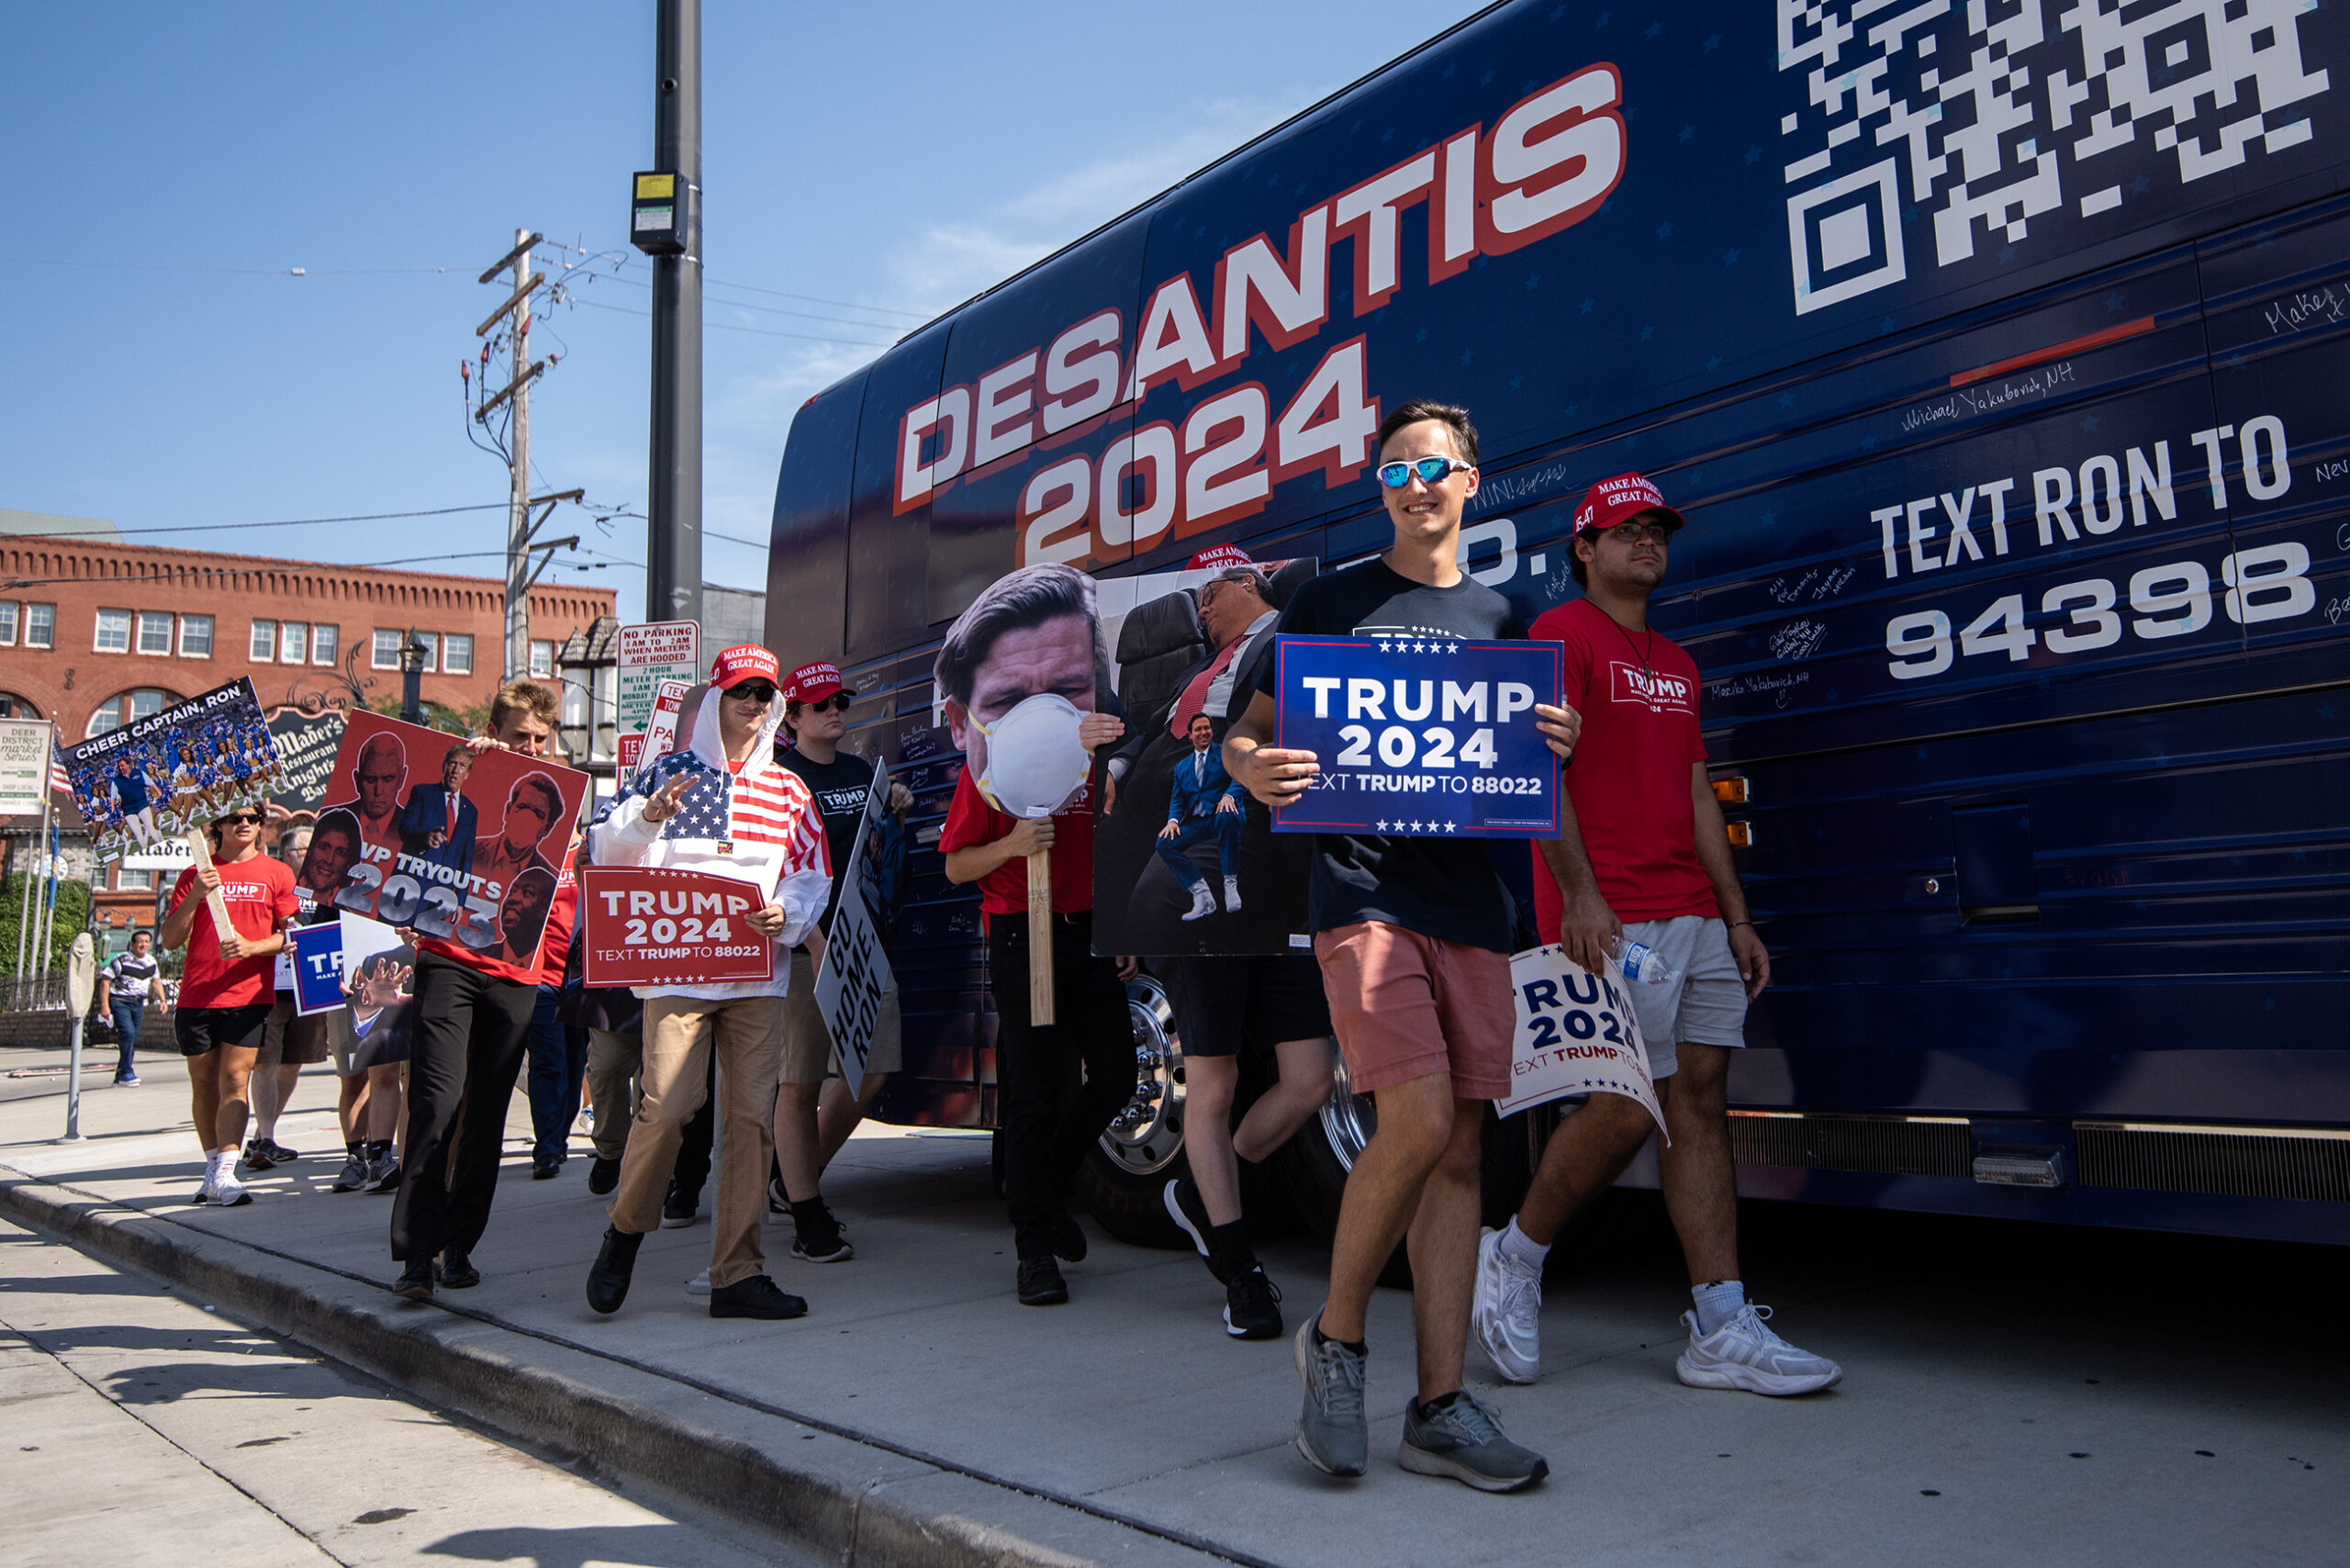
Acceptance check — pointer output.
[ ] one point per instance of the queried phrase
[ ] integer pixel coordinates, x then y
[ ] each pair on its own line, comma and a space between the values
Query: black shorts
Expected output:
1222, 1005
200, 1030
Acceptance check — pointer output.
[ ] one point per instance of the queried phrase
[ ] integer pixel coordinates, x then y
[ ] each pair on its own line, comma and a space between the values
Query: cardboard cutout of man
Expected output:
533, 806
377, 776
437, 823
1204, 800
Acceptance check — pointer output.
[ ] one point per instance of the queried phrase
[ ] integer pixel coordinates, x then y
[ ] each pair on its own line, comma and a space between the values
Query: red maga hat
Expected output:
1216, 555
734, 665
1620, 499
813, 683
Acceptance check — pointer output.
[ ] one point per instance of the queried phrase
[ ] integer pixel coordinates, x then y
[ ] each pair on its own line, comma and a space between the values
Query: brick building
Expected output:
95, 630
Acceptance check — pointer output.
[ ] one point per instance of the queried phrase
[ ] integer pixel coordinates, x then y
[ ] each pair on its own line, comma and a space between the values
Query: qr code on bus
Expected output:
1985, 114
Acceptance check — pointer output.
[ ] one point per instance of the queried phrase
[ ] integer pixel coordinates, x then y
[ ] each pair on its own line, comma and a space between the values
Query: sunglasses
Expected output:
1431, 470
836, 703
758, 692
248, 819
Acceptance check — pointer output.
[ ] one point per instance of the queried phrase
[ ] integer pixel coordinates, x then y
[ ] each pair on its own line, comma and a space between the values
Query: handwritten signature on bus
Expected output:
1780, 684
1983, 398
2307, 307
1812, 586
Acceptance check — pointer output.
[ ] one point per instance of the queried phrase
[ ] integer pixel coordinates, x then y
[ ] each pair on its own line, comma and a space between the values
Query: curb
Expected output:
862, 1503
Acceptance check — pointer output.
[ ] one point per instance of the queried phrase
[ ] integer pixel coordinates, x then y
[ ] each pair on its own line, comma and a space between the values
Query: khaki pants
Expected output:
612, 1061
679, 1035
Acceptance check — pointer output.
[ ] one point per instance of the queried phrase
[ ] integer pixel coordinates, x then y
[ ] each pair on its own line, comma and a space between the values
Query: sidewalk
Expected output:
919, 1414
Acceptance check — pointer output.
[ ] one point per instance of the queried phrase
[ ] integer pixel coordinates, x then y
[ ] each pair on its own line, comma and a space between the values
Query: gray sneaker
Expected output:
1332, 1431
1464, 1440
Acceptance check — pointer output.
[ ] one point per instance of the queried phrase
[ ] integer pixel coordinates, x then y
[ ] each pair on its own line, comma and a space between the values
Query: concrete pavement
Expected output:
2012, 1394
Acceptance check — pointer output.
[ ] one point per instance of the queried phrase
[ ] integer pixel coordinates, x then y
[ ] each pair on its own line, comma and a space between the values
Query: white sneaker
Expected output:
699, 1285
1507, 1314
1744, 1354
227, 1192
1232, 895
1202, 901
204, 1190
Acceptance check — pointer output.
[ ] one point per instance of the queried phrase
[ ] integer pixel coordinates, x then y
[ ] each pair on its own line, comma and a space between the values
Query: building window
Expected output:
40, 625
323, 644
154, 634
130, 881
196, 636
114, 631
127, 707
8, 613
457, 653
293, 643
14, 707
262, 650
385, 653
541, 659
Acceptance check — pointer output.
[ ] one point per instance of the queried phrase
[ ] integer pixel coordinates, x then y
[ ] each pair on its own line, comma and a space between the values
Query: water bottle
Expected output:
1640, 961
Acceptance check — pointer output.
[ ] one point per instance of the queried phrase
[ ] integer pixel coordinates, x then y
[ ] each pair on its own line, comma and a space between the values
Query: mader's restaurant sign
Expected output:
1420, 737
651, 925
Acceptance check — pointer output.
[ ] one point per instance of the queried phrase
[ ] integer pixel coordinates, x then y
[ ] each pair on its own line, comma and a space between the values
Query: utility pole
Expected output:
518, 391
673, 545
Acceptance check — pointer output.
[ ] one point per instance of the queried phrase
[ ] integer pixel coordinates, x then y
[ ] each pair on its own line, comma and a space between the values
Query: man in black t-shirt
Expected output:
813, 1116
1413, 936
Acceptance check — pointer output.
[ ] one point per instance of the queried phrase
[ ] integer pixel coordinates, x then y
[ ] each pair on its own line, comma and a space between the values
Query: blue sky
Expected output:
176, 161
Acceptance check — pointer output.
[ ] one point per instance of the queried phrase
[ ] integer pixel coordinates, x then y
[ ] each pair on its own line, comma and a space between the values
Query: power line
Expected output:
281, 522
241, 271
620, 260
731, 327
766, 309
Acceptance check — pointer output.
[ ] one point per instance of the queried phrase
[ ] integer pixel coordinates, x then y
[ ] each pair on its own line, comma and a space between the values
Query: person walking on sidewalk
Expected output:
473, 1013
128, 982
814, 1111
225, 985
1030, 636
1642, 855
720, 805
1414, 937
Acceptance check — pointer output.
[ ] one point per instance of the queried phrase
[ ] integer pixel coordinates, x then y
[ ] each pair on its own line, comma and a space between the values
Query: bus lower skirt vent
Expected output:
2237, 1162
1900, 1145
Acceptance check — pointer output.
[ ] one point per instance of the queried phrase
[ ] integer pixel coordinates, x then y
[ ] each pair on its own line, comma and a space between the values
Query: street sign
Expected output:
650, 653
24, 767
1420, 737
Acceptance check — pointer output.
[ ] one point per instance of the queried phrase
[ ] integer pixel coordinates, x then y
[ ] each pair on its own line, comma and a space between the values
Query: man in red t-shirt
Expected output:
1031, 634
1643, 857
227, 986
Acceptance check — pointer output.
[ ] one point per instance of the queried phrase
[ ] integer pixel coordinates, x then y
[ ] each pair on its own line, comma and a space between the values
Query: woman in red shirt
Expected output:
226, 985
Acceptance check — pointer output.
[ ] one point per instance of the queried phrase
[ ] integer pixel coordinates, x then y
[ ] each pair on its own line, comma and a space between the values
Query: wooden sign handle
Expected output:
1040, 938
221, 928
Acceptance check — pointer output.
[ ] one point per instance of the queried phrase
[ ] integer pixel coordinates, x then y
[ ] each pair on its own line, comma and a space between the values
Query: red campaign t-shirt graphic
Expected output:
259, 893
1631, 781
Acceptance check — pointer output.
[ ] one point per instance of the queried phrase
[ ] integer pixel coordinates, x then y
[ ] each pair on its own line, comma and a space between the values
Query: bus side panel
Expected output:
889, 536
808, 579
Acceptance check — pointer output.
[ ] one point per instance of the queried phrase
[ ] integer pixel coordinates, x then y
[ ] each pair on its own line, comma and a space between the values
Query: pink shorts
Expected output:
1404, 1006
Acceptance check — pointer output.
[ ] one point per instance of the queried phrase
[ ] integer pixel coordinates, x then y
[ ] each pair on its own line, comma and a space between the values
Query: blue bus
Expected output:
1998, 352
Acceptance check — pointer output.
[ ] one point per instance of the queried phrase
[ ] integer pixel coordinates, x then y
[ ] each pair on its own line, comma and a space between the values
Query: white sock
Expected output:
1718, 1302
1519, 1250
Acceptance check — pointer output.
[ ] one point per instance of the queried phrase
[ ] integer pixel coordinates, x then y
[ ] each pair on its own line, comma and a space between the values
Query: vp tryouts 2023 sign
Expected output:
1428, 738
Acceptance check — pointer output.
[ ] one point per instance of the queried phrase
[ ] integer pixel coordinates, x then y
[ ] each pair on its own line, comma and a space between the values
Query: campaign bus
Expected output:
1995, 352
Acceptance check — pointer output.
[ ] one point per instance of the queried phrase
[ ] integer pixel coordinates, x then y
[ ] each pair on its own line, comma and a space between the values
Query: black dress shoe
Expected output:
545, 1168
458, 1270
615, 1261
415, 1281
1040, 1283
1069, 1239
603, 1175
756, 1297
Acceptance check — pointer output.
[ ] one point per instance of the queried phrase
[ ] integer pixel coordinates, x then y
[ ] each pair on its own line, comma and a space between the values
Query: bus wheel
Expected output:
1142, 1150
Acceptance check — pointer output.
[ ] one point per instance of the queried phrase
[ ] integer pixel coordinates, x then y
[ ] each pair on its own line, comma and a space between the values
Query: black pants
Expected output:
1045, 1141
463, 1057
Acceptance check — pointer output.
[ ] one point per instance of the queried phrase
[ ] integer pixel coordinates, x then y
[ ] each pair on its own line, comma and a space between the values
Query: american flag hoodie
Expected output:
759, 826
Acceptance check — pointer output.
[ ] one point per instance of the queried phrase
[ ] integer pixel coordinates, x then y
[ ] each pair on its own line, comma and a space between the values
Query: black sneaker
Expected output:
1252, 1305
384, 1175
756, 1297
545, 1168
256, 1156
1040, 1283
603, 1175
354, 1175
1189, 1211
819, 1238
415, 1281
1068, 1237
458, 1270
615, 1261
677, 1210
278, 1153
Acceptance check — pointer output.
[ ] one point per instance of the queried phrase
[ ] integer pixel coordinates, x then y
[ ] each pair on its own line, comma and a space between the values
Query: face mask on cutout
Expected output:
1035, 763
